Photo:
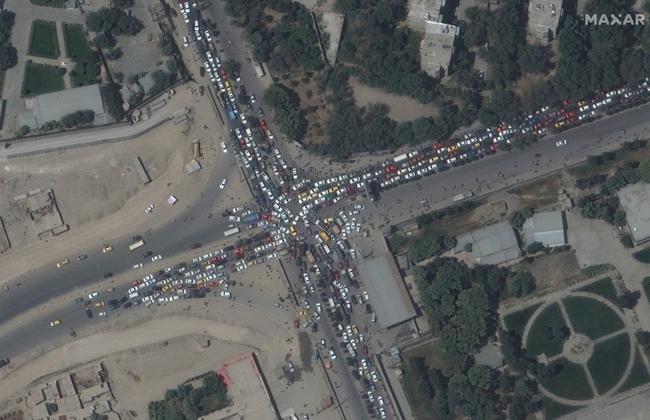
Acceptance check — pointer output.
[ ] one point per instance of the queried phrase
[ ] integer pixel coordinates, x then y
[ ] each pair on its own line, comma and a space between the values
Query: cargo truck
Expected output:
400, 158
136, 245
231, 232
463, 196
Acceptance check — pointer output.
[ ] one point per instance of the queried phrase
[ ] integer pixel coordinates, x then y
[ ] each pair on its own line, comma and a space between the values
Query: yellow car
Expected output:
355, 330
302, 312
107, 248
55, 322
293, 231
99, 304
62, 263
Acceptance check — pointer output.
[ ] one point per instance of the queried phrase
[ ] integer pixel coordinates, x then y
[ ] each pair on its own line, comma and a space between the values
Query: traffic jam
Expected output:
286, 223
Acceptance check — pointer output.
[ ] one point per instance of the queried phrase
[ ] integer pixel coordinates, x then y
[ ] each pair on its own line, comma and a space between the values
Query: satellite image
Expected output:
324, 209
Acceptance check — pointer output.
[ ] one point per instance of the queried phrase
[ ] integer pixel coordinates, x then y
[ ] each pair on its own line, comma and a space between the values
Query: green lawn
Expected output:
590, 317
84, 73
49, 3
609, 361
639, 375
571, 382
41, 78
539, 339
646, 287
517, 321
76, 43
603, 287
643, 255
43, 41
553, 410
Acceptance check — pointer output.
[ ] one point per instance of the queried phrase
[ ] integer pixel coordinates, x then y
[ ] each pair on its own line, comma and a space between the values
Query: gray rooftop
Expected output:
437, 47
494, 244
546, 227
544, 18
421, 11
55, 105
387, 291
635, 200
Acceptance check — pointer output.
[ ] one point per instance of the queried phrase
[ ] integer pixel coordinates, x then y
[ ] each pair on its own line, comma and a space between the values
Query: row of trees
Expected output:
289, 44
8, 53
113, 21
286, 105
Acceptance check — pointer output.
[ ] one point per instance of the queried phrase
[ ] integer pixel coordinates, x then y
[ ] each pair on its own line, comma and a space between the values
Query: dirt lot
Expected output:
144, 374
539, 193
550, 270
402, 108
103, 178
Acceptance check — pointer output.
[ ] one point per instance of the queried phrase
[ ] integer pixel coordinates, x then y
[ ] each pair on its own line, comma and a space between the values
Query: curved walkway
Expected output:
626, 330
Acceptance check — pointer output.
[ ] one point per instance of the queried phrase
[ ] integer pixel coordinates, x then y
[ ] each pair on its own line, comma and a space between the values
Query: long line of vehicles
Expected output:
286, 222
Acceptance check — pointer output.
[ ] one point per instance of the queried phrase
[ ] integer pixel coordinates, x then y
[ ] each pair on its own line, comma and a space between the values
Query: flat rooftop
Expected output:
55, 105
437, 47
544, 18
635, 200
494, 244
420, 11
390, 299
251, 399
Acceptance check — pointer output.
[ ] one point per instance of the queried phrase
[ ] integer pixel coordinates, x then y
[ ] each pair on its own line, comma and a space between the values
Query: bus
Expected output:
136, 245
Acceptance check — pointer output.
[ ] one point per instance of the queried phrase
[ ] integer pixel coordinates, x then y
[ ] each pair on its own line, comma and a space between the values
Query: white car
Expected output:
224, 147
332, 354
149, 208
208, 36
561, 142
136, 266
226, 294
156, 257
93, 295
252, 99
223, 184
102, 314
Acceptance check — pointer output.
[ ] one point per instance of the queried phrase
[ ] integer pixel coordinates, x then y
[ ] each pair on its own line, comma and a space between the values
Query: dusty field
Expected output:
88, 183
402, 108
539, 193
552, 269
144, 374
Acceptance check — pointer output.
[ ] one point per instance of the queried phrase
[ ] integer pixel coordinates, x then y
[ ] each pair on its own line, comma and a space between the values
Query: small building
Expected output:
437, 48
494, 244
422, 11
543, 19
53, 106
635, 201
546, 227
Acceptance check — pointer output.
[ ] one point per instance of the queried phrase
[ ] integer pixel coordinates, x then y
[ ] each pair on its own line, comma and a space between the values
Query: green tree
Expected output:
519, 217
113, 100
628, 299
523, 283
502, 106
534, 59
481, 376
8, 57
534, 247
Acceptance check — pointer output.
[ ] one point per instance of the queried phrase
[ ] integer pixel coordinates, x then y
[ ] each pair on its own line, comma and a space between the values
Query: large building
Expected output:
545, 227
387, 291
437, 48
53, 106
635, 201
543, 19
494, 244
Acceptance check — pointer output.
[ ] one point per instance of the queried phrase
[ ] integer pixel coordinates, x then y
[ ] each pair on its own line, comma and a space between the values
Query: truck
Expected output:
136, 245
324, 236
331, 302
310, 257
463, 196
259, 71
400, 158
231, 232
